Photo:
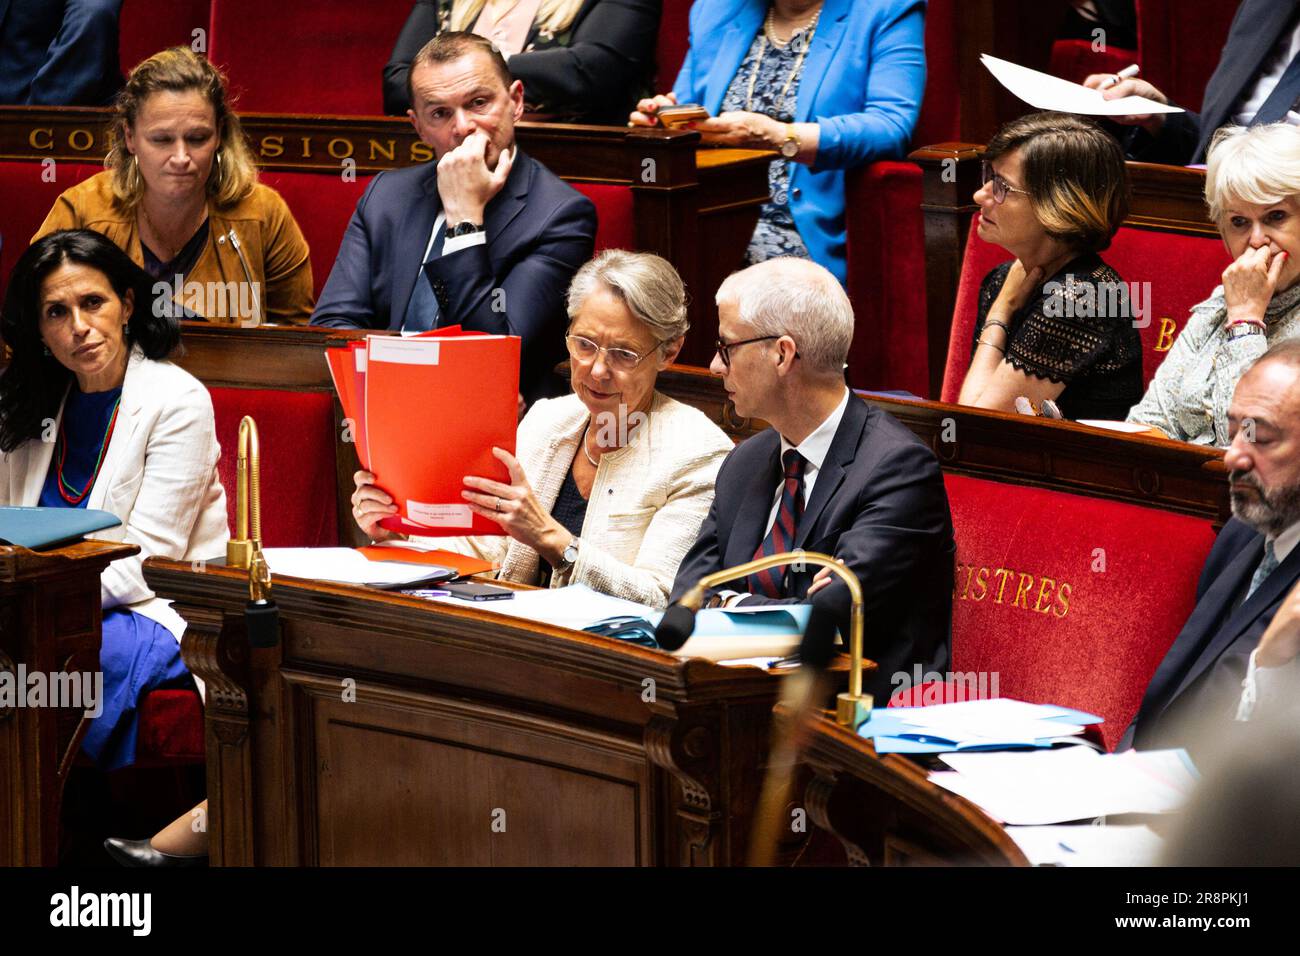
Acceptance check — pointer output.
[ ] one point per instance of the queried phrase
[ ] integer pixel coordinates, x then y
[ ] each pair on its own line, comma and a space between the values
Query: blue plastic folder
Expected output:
45, 527
891, 735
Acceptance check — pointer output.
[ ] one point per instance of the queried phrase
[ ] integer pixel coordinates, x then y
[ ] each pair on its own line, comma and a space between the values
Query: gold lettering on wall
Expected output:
272, 146
306, 147
341, 143
389, 153
45, 137
1049, 599
81, 136
1166, 338
420, 152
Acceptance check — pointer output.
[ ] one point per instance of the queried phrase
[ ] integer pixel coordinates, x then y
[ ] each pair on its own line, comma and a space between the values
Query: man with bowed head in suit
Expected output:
1232, 652
833, 474
483, 236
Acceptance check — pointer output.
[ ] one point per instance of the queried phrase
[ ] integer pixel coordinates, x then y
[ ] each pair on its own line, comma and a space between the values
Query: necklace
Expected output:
159, 236
769, 34
67, 491
594, 463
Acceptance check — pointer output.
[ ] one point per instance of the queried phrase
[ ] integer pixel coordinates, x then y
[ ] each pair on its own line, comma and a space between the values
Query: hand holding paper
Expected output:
1048, 92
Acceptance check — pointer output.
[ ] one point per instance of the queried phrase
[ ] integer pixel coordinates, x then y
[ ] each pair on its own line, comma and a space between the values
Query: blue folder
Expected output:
45, 527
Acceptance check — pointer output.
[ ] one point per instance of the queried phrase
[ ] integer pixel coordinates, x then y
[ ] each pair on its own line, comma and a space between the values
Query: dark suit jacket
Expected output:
1213, 629
594, 72
879, 503
539, 232
1185, 137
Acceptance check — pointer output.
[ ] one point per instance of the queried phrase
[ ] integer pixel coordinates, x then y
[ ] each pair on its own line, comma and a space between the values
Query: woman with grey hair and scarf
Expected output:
1252, 186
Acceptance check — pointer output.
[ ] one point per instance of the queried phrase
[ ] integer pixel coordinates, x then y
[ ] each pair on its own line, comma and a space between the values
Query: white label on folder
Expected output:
361, 359
439, 516
413, 351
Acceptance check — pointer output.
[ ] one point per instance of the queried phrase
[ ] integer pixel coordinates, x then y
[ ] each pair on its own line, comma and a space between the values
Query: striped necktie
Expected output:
781, 537
1267, 565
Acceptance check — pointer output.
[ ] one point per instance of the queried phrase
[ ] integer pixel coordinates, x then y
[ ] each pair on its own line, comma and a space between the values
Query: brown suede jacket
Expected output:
256, 242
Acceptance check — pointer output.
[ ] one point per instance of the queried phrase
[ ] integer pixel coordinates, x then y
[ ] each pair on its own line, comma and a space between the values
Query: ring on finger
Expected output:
498, 504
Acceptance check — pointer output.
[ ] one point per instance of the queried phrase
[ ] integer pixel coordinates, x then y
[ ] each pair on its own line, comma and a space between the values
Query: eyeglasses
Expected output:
1000, 186
724, 348
583, 349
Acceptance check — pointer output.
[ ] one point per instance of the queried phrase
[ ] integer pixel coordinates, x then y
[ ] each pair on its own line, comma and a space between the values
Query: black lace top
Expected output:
1079, 331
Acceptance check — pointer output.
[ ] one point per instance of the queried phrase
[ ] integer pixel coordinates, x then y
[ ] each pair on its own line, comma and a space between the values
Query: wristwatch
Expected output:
465, 228
569, 556
1242, 329
790, 147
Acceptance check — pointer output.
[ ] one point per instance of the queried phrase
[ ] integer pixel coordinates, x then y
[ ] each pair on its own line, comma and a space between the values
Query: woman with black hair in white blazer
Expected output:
93, 415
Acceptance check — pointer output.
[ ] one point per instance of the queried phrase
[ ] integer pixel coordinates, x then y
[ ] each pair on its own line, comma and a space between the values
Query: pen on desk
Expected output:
1128, 71
1067, 849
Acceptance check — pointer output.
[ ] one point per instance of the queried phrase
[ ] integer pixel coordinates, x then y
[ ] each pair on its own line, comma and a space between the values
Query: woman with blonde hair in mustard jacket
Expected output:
180, 196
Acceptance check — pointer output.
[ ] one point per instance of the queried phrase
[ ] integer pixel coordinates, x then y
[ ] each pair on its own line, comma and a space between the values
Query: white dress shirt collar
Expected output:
817, 446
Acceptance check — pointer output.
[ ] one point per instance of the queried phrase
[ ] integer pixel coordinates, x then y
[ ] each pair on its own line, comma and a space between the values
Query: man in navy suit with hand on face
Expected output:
483, 237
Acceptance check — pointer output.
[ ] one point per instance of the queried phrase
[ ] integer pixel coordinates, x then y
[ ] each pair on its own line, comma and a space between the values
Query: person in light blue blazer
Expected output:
831, 84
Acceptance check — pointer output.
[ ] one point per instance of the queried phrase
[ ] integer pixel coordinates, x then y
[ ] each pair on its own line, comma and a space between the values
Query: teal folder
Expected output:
45, 527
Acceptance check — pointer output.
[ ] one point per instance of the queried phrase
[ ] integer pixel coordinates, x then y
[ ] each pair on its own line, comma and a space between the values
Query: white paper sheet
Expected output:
1047, 92
342, 565
1076, 783
1125, 845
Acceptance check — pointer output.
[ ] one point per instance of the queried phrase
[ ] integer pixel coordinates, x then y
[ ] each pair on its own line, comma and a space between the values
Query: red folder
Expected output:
347, 368
434, 407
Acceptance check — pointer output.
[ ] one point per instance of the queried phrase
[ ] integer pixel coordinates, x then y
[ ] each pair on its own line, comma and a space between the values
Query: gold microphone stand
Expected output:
802, 694
244, 551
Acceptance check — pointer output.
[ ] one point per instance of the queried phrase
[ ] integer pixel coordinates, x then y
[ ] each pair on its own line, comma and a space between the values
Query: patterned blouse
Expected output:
776, 233
1189, 396
1077, 331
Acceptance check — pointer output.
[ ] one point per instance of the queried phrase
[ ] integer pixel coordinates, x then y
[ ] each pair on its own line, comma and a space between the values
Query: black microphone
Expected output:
675, 627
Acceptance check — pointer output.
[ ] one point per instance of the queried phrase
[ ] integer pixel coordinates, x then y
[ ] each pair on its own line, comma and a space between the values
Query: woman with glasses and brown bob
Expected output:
610, 484
1054, 324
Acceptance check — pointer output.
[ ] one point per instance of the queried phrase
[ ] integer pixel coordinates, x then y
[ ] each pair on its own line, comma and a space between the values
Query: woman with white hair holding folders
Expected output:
1252, 186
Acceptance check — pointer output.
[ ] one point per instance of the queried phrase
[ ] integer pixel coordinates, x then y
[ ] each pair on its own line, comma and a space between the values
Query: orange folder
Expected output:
347, 369
434, 407
462, 564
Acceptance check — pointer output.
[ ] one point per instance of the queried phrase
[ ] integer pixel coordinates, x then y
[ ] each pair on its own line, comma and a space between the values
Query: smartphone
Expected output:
671, 117
469, 591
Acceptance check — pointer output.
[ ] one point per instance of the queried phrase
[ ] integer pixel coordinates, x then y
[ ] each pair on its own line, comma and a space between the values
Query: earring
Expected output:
46, 350
135, 181
220, 170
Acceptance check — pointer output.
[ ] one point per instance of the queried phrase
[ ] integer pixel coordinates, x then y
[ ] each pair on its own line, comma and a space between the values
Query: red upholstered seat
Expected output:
29, 195
615, 226
1179, 52
940, 119
674, 38
148, 26
298, 472
306, 56
886, 278
1068, 599
170, 730
1182, 271
322, 204
1076, 59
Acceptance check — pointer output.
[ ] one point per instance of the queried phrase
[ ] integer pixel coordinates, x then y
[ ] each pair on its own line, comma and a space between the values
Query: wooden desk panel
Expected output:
49, 623
387, 729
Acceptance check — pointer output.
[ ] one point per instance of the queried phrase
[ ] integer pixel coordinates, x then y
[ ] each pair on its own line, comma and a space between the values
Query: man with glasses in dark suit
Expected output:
833, 474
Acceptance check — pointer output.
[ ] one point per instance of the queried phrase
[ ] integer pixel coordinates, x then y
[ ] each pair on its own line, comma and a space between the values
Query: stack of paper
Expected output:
426, 411
1082, 845
720, 634
997, 724
347, 566
1076, 783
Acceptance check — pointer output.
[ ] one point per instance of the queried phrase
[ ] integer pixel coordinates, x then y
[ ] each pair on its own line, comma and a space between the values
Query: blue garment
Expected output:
862, 83
59, 52
136, 655
84, 424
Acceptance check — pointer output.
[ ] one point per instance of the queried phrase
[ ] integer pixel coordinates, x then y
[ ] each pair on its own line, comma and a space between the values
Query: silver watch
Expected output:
1242, 329
569, 556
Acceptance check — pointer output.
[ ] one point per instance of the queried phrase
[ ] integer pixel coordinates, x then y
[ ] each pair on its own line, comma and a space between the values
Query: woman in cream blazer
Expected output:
610, 484
92, 415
